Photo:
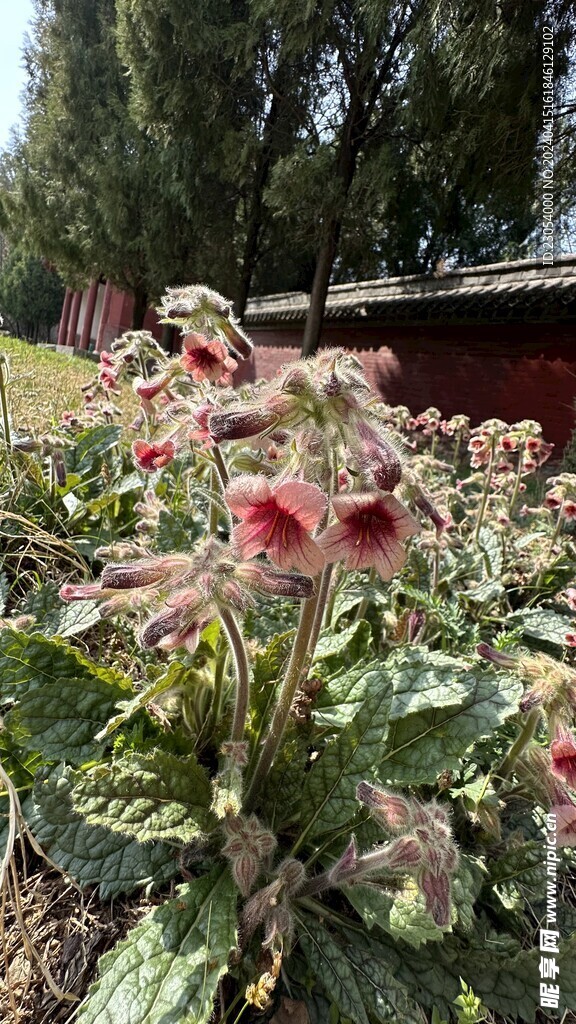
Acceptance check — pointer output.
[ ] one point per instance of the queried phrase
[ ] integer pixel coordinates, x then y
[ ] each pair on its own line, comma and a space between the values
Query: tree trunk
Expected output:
140, 307
350, 145
261, 175
320, 285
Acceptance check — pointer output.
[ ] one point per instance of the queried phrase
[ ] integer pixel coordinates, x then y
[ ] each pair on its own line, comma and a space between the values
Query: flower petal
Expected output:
305, 501
247, 494
290, 546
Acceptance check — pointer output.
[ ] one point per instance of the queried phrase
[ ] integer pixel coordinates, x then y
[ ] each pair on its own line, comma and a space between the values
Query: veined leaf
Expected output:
29, 662
148, 796
92, 444
329, 962
421, 745
329, 798
167, 969
91, 854
352, 643
425, 679
345, 692
127, 708
542, 624
60, 718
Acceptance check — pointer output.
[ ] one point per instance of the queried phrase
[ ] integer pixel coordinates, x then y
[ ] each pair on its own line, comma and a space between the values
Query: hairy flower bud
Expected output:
436, 890
496, 657
133, 576
238, 425
377, 457
389, 809
346, 865
264, 580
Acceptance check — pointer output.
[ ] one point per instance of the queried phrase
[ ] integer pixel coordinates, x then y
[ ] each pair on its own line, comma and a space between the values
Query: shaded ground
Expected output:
68, 930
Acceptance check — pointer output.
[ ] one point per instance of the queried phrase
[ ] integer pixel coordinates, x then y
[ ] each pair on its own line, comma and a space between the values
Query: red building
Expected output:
498, 340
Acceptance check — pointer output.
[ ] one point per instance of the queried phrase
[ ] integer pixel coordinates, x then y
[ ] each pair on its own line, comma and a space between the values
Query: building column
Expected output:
64, 317
104, 317
89, 315
74, 314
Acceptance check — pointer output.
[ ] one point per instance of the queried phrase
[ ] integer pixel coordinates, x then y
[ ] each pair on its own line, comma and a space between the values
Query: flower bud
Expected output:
87, 592
264, 580
389, 809
496, 657
292, 873
236, 426
436, 890
159, 627
346, 866
132, 576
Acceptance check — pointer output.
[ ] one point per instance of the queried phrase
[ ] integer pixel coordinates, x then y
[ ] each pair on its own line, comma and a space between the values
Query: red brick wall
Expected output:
513, 371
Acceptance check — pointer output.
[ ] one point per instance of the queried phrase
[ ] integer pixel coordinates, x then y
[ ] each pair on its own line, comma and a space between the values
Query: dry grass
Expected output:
45, 383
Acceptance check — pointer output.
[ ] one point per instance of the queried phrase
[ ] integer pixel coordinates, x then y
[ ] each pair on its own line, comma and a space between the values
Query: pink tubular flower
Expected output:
563, 751
151, 457
565, 824
277, 521
148, 389
80, 592
369, 532
569, 510
570, 595
206, 360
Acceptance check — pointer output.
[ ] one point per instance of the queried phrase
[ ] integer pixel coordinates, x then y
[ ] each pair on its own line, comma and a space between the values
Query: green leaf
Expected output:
60, 718
127, 708
329, 799
29, 662
177, 533
542, 624
91, 854
167, 969
403, 914
421, 745
382, 994
148, 796
92, 444
130, 482
54, 617
331, 965
345, 692
424, 679
351, 643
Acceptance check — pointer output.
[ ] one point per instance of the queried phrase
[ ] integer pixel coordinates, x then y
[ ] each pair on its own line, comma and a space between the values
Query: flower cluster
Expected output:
423, 847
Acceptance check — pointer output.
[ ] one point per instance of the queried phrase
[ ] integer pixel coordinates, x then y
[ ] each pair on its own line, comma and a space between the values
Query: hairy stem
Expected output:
518, 480
296, 665
486, 492
519, 745
242, 674
221, 468
320, 609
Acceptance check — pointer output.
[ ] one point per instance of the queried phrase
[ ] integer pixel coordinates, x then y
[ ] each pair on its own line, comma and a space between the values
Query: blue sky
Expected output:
15, 16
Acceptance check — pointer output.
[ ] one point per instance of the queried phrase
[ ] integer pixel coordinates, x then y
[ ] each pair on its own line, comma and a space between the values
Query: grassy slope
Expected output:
45, 383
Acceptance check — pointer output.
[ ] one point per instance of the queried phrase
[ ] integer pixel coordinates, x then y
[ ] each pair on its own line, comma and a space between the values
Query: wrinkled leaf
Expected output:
91, 854
148, 796
329, 798
330, 963
167, 969
542, 624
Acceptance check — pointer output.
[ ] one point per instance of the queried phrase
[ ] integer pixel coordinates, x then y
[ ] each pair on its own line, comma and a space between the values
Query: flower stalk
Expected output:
296, 665
241, 665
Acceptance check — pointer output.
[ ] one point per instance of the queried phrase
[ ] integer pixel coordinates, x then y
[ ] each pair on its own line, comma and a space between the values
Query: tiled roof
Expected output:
518, 291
